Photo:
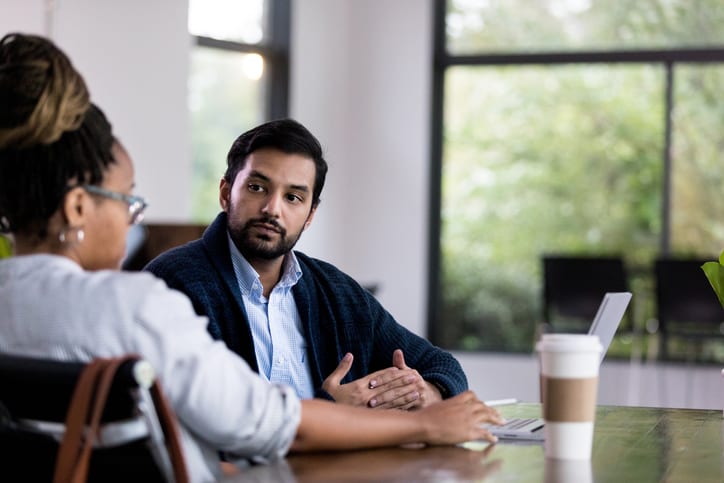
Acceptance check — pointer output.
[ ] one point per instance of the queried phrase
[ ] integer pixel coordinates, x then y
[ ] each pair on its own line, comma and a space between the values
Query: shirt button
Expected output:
280, 360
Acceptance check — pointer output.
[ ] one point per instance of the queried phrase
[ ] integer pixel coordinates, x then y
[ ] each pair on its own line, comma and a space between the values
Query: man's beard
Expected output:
256, 246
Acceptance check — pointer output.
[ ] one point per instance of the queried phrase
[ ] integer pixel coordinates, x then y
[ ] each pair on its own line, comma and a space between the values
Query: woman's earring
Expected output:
71, 235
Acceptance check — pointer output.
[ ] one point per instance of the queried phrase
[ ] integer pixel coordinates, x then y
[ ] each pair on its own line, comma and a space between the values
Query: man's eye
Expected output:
255, 187
294, 198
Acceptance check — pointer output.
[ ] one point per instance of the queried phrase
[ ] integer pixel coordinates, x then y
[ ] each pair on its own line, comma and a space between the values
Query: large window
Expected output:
238, 79
581, 127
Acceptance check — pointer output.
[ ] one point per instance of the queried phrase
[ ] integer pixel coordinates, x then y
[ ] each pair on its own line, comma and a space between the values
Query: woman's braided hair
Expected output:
51, 135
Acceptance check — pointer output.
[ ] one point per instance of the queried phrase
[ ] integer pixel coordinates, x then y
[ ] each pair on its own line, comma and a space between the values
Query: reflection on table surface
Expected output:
630, 444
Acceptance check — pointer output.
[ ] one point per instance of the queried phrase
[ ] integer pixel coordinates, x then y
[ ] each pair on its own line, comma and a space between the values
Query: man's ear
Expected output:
310, 217
75, 207
224, 194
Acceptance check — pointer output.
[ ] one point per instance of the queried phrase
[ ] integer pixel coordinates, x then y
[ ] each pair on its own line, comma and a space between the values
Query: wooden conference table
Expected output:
631, 444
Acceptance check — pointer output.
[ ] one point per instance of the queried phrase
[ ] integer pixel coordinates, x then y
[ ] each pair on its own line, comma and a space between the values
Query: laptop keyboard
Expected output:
518, 423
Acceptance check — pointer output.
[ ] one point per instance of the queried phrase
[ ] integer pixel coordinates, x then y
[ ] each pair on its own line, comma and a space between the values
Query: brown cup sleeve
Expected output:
569, 400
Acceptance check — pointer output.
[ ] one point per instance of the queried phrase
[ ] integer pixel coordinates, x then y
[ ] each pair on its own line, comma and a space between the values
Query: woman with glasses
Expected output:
66, 196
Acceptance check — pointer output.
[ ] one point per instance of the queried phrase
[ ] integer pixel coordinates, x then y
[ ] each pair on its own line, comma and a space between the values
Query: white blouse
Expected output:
50, 307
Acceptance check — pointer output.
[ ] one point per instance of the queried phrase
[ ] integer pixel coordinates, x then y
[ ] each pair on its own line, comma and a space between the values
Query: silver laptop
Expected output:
604, 325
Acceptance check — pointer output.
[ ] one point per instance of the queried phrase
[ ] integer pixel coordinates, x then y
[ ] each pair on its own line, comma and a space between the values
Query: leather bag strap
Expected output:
86, 408
168, 422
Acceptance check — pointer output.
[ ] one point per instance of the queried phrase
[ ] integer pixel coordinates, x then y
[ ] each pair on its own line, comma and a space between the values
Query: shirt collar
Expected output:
248, 279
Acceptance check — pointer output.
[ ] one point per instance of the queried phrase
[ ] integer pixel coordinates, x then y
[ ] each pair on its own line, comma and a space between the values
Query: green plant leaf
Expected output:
714, 272
6, 248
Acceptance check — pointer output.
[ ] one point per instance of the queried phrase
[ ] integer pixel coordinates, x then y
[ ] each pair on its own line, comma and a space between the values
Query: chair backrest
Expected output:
150, 240
574, 286
684, 297
35, 396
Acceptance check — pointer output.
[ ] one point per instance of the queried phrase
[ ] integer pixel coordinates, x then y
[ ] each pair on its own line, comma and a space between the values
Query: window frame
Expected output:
442, 60
274, 49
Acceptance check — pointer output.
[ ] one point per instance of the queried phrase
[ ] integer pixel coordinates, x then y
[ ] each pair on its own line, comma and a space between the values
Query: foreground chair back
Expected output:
136, 437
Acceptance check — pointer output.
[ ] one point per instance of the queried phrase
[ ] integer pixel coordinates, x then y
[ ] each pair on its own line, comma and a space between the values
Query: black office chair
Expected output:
35, 395
686, 305
574, 286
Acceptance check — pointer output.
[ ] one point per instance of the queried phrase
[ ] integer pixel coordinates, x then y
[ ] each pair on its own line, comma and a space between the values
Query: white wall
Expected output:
360, 80
23, 16
361, 83
134, 56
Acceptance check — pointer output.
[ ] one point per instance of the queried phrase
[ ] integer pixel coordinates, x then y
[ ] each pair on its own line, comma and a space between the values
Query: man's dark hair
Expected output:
286, 135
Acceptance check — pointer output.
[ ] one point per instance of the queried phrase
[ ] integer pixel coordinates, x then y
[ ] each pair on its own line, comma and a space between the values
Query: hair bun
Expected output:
42, 94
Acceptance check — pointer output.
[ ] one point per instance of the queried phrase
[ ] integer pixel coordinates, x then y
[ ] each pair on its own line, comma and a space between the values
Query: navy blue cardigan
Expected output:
338, 315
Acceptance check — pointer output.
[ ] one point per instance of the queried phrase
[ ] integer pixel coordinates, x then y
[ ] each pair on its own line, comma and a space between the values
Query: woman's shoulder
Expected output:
142, 300
131, 285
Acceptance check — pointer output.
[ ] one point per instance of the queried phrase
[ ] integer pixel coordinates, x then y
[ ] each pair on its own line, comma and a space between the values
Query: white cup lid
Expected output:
569, 343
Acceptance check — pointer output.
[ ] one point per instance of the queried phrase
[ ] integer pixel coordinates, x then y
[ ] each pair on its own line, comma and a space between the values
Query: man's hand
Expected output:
426, 392
360, 391
399, 386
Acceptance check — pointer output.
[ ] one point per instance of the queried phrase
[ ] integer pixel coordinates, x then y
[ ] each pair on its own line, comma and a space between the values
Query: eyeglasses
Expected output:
136, 204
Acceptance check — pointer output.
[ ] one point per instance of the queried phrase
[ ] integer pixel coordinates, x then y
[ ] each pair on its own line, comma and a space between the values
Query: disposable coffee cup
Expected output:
569, 386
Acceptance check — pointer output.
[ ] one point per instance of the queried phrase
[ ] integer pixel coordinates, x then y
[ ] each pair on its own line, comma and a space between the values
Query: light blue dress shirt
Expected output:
279, 344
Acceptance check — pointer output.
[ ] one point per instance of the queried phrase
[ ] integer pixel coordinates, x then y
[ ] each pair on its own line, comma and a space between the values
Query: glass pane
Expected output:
537, 160
477, 26
697, 200
234, 20
225, 99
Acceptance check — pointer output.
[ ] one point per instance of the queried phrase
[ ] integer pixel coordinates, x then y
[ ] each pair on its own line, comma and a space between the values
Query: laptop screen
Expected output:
608, 318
